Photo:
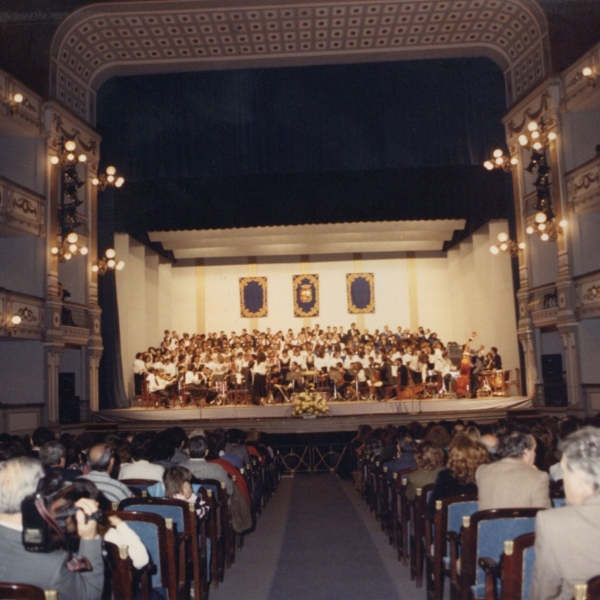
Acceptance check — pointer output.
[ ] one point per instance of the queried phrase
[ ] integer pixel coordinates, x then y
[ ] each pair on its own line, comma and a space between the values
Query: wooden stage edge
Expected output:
344, 416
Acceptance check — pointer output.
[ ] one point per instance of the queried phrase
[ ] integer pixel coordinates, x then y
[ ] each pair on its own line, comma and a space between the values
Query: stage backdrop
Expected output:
453, 294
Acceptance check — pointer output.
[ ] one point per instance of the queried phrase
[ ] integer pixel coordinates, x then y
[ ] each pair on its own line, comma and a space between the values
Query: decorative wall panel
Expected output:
360, 289
306, 295
253, 296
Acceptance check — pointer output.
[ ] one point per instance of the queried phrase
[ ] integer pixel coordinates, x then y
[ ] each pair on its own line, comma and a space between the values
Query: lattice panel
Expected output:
124, 35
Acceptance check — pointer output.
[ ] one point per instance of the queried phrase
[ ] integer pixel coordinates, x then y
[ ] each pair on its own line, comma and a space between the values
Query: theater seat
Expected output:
23, 591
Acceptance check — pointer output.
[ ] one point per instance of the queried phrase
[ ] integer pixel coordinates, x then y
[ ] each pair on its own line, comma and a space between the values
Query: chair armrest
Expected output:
455, 542
493, 572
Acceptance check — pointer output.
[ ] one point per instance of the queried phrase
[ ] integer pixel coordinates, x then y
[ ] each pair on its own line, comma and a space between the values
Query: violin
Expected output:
463, 381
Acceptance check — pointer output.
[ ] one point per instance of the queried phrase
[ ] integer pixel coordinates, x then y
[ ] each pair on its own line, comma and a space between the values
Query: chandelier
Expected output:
500, 161
507, 246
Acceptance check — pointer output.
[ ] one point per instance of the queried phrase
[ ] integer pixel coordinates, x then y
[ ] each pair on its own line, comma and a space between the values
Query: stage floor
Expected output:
344, 416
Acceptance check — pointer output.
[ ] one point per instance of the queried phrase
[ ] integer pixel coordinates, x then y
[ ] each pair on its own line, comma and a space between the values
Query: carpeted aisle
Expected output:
327, 552
316, 540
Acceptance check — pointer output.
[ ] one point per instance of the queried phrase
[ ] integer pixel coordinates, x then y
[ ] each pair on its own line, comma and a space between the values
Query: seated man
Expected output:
19, 478
513, 481
567, 538
101, 460
201, 468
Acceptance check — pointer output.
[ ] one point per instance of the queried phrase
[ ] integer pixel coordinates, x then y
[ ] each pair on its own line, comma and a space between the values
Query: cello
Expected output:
463, 381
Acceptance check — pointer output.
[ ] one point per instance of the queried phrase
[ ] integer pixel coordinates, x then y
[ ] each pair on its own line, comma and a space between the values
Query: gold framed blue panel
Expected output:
306, 295
361, 293
253, 296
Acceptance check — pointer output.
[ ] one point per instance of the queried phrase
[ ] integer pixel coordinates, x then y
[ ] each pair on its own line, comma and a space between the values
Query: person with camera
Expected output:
52, 570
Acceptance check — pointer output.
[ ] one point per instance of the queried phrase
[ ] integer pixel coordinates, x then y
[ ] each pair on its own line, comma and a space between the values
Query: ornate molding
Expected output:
583, 185
21, 209
529, 115
120, 38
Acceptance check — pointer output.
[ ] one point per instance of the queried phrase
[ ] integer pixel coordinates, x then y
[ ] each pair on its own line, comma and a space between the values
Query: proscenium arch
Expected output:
100, 41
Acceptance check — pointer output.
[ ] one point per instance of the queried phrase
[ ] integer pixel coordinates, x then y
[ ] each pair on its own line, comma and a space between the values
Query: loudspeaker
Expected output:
555, 388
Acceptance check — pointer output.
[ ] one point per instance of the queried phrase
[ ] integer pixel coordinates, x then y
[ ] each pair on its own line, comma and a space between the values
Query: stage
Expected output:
344, 416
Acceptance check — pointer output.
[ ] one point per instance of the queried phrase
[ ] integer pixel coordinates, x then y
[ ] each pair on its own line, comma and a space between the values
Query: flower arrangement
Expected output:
310, 404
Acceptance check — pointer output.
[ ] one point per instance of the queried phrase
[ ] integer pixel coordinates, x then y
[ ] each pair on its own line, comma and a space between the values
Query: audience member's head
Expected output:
100, 458
581, 464
40, 436
464, 457
517, 444
428, 456
198, 446
490, 441
19, 478
52, 454
175, 479
439, 436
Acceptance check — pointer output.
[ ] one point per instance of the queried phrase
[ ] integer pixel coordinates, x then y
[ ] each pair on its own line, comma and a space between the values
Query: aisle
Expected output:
317, 541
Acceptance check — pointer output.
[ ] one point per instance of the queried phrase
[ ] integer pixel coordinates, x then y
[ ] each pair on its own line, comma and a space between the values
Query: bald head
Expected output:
100, 458
490, 441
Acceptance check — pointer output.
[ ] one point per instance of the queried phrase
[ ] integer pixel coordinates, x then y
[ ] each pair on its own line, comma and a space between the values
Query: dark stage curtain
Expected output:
112, 390
386, 115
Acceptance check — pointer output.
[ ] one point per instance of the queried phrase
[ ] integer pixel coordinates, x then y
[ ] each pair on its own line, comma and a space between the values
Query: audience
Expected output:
567, 538
140, 466
513, 481
429, 459
101, 462
19, 478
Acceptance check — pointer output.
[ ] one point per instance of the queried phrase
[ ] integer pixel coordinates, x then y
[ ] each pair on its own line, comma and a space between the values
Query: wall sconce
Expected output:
108, 263
69, 247
103, 180
590, 76
500, 161
547, 229
15, 102
507, 245
15, 320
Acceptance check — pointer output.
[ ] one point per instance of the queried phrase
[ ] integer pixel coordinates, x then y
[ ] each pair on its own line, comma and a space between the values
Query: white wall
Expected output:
584, 231
22, 265
589, 343
464, 290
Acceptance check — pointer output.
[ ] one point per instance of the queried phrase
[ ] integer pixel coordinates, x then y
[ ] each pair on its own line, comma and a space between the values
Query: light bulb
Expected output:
70, 145
535, 135
494, 249
111, 263
82, 158
54, 160
119, 182
110, 253
497, 153
95, 181
16, 320
120, 265
529, 230
542, 226
552, 136
532, 126
84, 250
68, 256
563, 223
521, 245
540, 217
95, 268
504, 247
537, 146
544, 237
70, 157
499, 160
110, 170
72, 237
523, 140
514, 160
54, 250
586, 72
18, 98
503, 236
110, 178
489, 165
73, 248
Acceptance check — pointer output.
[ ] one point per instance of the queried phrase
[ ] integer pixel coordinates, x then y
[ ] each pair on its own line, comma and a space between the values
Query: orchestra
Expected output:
273, 366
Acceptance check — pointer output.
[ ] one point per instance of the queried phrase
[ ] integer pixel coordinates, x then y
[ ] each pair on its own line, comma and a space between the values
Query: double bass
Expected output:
463, 381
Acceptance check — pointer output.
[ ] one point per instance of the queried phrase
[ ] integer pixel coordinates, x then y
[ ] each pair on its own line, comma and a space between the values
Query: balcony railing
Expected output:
21, 316
75, 323
543, 306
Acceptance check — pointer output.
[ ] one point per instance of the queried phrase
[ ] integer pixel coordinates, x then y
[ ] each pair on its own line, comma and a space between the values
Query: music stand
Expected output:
219, 382
334, 375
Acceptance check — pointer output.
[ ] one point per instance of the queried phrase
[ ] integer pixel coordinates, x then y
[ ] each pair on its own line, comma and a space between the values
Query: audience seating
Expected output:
139, 486
589, 590
22, 591
447, 519
514, 570
183, 517
401, 515
483, 535
418, 510
157, 535
123, 581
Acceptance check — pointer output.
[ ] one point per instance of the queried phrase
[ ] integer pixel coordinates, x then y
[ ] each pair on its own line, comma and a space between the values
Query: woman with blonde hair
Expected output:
464, 458
430, 462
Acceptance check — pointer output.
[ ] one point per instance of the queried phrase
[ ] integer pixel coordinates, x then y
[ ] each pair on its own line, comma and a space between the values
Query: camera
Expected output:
49, 521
